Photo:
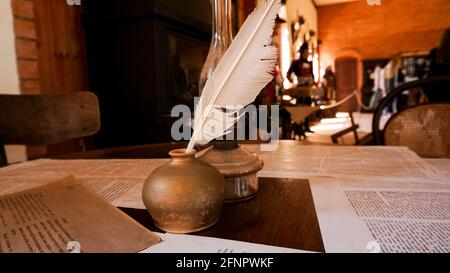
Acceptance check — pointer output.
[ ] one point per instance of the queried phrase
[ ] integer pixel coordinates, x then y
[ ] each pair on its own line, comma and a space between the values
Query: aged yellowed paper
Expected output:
64, 216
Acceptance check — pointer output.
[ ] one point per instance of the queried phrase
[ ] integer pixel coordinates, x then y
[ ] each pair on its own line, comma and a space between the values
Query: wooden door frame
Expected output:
354, 63
356, 54
350, 53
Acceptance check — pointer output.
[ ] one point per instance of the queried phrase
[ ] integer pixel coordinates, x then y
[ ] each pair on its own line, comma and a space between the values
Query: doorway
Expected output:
346, 82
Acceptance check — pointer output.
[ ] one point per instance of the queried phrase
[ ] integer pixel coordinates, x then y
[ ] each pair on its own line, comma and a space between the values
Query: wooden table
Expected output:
282, 214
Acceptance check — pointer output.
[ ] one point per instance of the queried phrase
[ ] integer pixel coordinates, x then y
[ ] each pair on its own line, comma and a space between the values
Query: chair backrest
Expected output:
425, 129
48, 119
434, 85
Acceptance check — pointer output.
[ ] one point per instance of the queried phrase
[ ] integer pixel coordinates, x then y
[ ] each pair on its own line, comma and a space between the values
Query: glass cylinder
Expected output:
238, 167
222, 37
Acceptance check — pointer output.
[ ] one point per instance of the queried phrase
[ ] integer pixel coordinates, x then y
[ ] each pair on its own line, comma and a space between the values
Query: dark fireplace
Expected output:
144, 57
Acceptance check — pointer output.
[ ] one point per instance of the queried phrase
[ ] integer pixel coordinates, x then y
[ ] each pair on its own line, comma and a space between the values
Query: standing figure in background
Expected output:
378, 89
303, 69
329, 83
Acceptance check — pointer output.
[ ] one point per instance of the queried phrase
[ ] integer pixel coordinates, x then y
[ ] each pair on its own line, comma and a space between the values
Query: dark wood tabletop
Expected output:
282, 213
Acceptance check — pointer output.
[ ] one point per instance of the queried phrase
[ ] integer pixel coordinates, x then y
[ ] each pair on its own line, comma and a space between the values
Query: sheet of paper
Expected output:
400, 215
341, 229
300, 161
119, 182
178, 243
64, 216
441, 164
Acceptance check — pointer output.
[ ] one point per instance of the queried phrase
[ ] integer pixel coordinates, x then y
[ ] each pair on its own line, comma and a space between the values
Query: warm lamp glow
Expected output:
285, 51
285, 46
316, 68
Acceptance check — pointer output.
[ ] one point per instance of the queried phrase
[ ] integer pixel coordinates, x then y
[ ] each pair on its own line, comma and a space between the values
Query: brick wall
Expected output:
26, 46
370, 32
27, 56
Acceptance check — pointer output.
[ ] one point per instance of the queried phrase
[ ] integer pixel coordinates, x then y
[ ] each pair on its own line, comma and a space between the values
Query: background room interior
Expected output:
334, 113
120, 52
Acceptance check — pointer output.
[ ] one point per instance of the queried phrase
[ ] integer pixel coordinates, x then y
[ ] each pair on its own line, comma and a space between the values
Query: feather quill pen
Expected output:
241, 74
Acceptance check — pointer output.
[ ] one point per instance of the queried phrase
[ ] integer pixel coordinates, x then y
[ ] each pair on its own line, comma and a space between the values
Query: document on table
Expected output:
300, 161
179, 243
375, 214
441, 164
64, 216
119, 182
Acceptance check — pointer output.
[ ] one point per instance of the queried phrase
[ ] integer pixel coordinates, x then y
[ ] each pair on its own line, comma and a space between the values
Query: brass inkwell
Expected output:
184, 195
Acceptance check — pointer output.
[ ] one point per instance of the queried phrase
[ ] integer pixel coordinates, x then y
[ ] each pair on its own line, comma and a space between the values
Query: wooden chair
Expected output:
423, 127
352, 129
47, 119
300, 113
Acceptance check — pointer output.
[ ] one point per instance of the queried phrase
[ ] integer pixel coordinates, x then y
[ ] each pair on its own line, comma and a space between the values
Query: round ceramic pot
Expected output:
184, 195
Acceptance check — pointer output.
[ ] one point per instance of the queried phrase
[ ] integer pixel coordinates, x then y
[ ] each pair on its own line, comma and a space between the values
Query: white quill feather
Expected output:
239, 77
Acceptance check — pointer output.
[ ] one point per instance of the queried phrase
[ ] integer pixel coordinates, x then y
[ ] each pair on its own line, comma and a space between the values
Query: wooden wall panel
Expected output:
51, 55
62, 58
61, 53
